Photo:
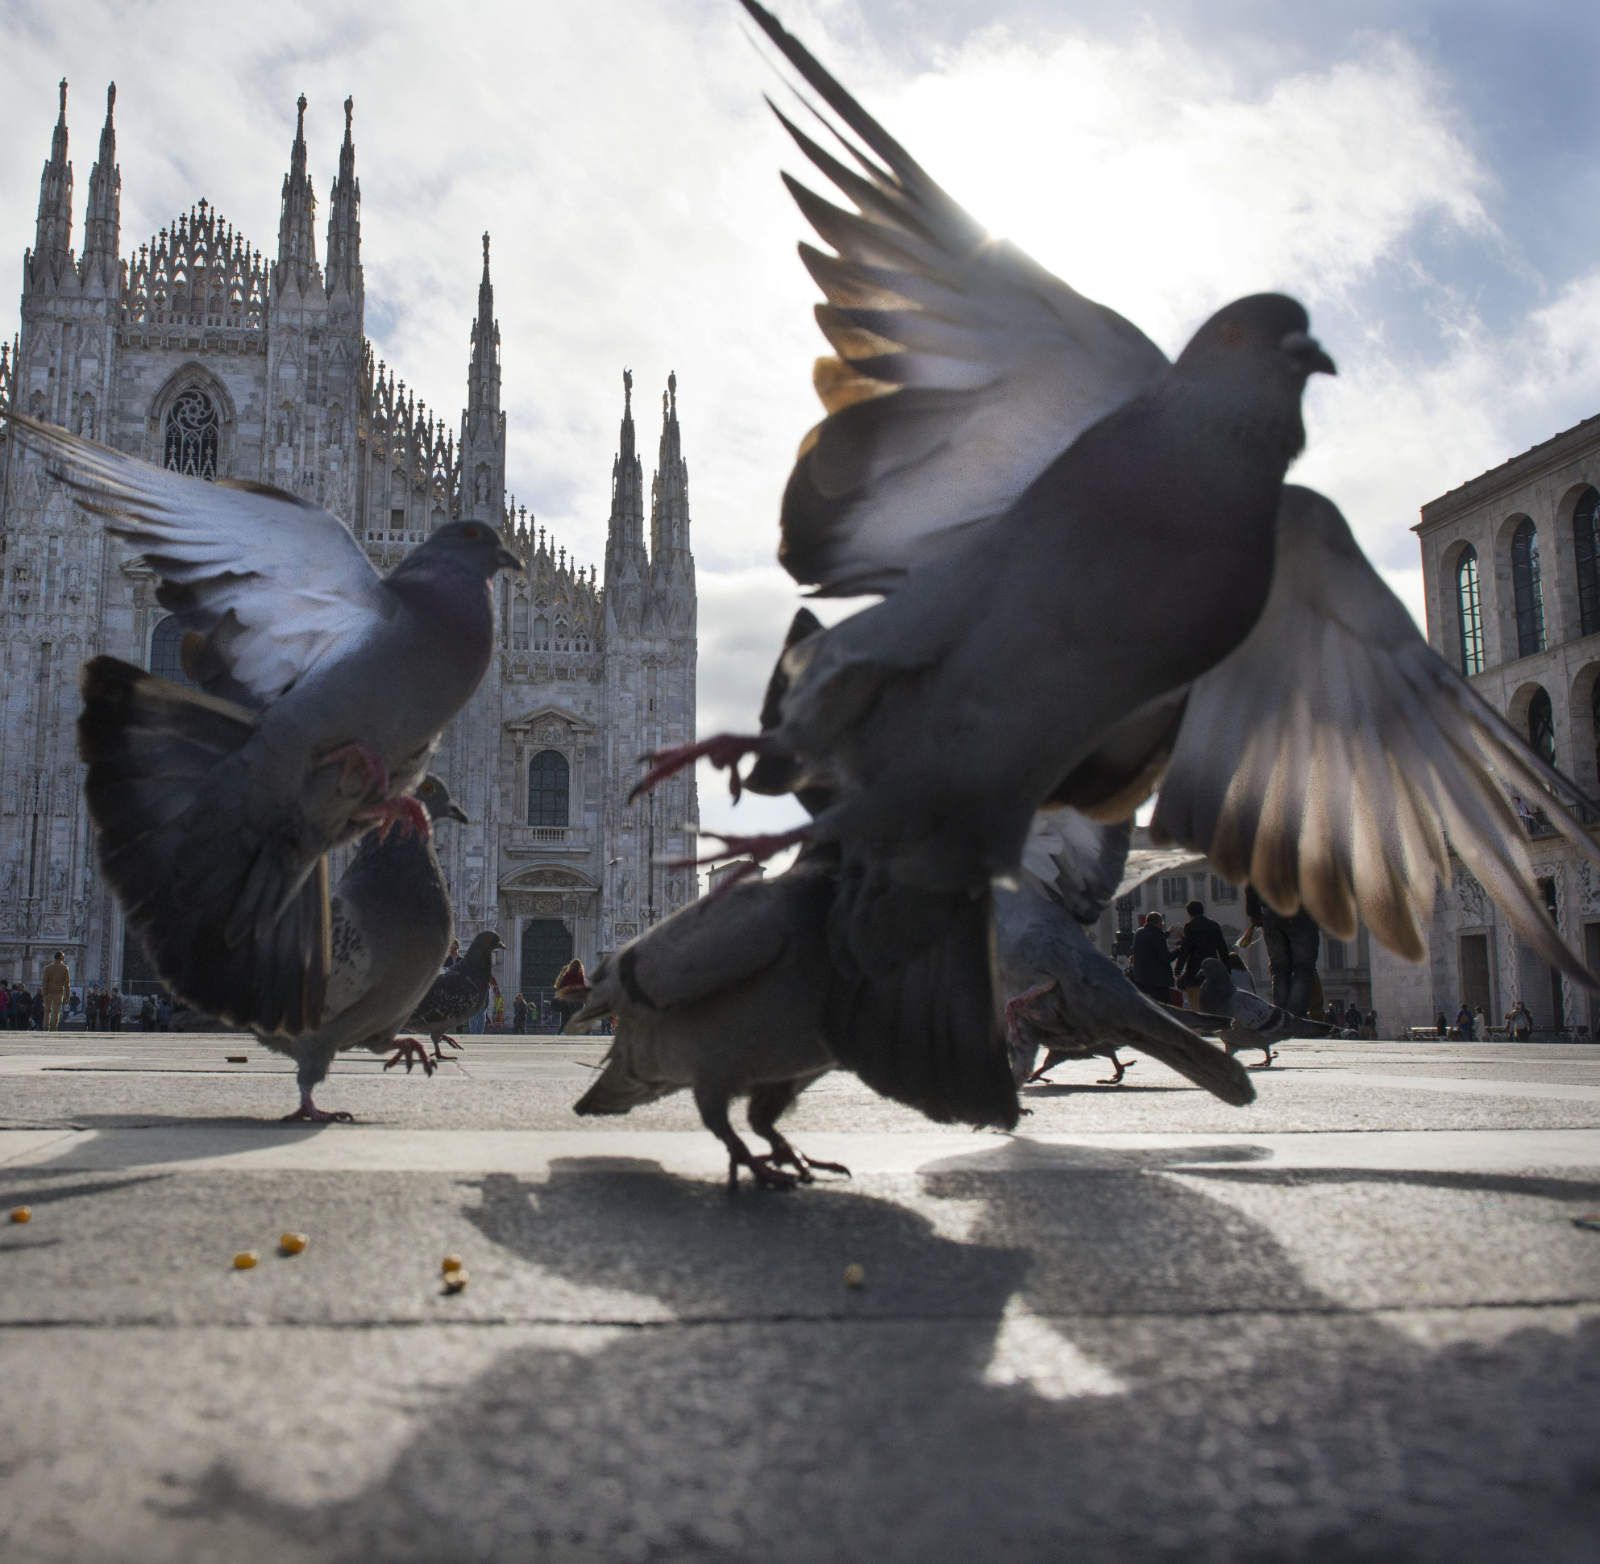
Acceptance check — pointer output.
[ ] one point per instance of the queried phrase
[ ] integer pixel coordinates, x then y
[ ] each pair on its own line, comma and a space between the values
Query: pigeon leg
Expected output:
723, 750
443, 1037
1268, 1055
356, 756
309, 1113
766, 1104
1051, 1060
756, 848
1121, 1069
409, 1051
1017, 1011
713, 1106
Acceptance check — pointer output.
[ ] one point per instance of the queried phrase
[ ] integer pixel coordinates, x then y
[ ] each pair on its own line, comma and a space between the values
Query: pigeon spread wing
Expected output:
962, 367
288, 577
1331, 758
1075, 861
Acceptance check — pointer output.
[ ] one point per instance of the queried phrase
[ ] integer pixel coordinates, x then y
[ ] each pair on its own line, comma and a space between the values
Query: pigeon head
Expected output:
435, 797
471, 545
484, 946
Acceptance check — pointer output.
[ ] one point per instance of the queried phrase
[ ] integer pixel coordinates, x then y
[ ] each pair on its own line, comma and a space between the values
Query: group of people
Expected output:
1349, 1019
1472, 1024
105, 1009
42, 1008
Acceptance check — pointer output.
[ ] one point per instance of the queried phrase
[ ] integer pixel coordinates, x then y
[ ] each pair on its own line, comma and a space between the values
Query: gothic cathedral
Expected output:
198, 353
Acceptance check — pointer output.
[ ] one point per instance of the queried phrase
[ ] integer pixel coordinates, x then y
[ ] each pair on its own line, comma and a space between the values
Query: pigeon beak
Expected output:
504, 559
456, 812
1307, 353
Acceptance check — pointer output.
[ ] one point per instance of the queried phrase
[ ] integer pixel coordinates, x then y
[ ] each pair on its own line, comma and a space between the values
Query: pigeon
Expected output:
1061, 991
726, 997
390, 922
459, 994
323, 688
1257, 1022
1001, 457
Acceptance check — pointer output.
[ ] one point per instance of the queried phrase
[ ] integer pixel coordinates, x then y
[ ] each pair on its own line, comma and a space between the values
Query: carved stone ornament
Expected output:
1588, 886
546, 905
1471, 897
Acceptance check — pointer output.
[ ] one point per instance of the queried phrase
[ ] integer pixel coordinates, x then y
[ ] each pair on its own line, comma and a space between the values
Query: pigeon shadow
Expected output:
1058, 1351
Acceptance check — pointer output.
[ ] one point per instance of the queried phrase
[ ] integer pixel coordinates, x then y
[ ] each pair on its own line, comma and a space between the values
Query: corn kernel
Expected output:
245, 1260
22, 1213
855, 1276
292, 1243
451, 1262
455, 1281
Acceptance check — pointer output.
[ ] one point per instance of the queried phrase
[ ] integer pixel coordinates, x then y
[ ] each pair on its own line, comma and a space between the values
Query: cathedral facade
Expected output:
199, 353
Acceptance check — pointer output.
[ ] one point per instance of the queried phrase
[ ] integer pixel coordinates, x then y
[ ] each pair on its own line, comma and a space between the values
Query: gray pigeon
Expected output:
725, 997
1060, 991
214, 814
1257, 1022
391, 922
1002, 455
456, 996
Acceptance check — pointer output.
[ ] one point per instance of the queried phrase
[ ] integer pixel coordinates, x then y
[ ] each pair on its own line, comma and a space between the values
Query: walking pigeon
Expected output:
1002, 455
391, 927
213, 814
1257, 1022
726, 998
459, 994
1063, 993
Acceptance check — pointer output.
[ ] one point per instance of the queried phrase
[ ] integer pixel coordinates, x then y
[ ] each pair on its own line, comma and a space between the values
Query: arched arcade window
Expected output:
547, 789
1586, 553
192, 427
1526, 589
1470, 607
166, 652
1542, 727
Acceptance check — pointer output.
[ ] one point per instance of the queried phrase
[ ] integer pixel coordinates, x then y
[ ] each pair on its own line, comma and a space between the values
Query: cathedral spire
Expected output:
669, 493
483, 374
626, 564
102, 220
344, 219
297, 238
52, 245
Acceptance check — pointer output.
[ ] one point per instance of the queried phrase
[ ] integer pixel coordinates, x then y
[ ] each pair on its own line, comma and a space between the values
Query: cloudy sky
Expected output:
1425, 176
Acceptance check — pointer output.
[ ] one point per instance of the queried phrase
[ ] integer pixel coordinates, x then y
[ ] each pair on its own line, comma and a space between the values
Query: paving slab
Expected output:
1355, 1321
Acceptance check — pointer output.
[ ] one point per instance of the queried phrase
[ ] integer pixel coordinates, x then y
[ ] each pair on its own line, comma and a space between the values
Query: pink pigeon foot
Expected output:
805, 1167
405, 812
438, 1052
408, 1051
1121, 1069
309, 1113
723, 750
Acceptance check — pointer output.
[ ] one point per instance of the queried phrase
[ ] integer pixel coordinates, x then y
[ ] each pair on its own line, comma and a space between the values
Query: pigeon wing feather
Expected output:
1334, 759
961, 367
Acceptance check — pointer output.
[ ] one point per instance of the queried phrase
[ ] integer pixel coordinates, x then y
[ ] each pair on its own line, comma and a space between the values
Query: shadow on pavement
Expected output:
1106, 1364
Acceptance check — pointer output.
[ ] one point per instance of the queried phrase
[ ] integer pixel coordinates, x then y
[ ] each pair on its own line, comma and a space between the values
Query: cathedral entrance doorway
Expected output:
546, 949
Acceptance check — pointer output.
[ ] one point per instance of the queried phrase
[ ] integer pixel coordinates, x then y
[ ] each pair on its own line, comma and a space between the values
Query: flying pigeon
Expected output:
459, 994
1257, 1022
391, 922
726, 997
1002, 456
324, 687
1063, 993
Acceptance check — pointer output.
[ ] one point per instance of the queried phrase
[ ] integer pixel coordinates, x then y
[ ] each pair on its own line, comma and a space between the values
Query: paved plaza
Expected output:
1356, 1321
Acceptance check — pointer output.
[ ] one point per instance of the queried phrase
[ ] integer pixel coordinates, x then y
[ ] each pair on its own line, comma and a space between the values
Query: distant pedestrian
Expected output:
5, 1004
1519, 1024
147, 1013
114, 1011
1480, 1021
1293, 945
56, 986
1152, 960
519, 1014
1441, 1026
1202, 939
38, 1009
1334, 1015
454, 956
1352, 1018
1465, 1023
164, 1012
1371, 1025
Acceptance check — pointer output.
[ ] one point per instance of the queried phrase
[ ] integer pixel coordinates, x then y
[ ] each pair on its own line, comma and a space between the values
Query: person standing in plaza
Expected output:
55, 987
1202, 939
1465, 1023
519, 1014
164, 1012
114, 1012
1293, 945
1152, 960
1519, 1023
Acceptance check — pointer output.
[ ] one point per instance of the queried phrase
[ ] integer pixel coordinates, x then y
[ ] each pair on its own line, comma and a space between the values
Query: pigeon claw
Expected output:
309, 1113
408, 1051
1121, 1067
765, 1171
723, 750
785, 1152
405, 812
438, 1052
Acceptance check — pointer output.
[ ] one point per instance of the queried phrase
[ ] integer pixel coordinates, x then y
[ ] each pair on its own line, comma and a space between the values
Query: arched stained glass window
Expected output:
547, 789
191, 434
166, 652
1526, 589
1470, 607
1586, 551
1542, 727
